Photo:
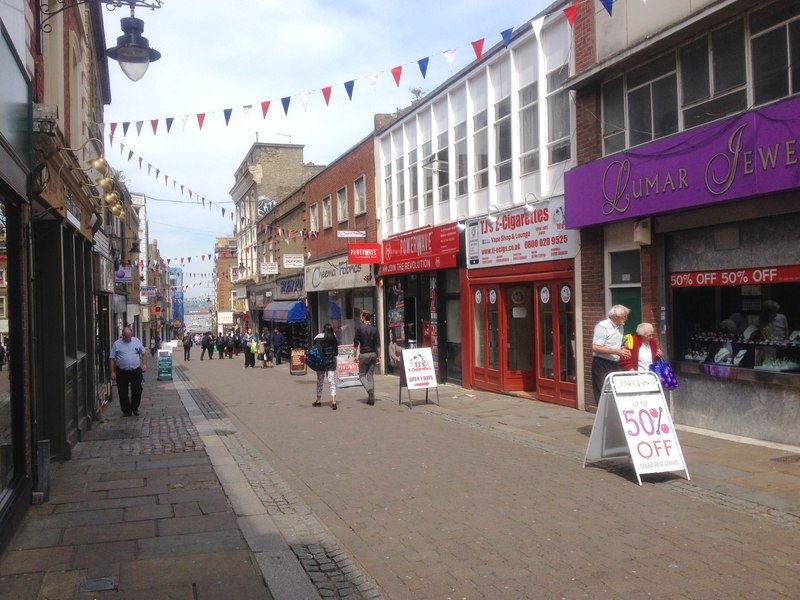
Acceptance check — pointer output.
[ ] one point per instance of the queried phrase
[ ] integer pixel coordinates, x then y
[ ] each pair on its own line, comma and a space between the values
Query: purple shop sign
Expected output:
753, 154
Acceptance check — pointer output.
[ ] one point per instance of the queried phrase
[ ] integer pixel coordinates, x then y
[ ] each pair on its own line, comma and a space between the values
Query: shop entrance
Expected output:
524, 339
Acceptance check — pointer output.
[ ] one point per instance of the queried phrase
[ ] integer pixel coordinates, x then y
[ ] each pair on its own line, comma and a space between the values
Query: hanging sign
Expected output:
294, 261
633, 419
269, 268
364, 254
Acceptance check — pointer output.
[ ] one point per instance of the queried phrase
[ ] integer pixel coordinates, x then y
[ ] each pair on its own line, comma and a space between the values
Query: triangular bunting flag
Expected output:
372, 80
396, 73
285, 101
130, 155
141, 160
154, 125
326, 93
190, 193
304, 97
139, 127
423, 66
264, 108
477, 46
569, 12
125, 126
227, 112
507, 36
537, 24
450, 57
169, 123
200, 118
348, 86
158, 174
609, 4
113, 128
223, 212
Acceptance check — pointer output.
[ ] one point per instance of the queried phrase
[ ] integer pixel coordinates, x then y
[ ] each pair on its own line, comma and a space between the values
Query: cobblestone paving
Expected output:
327, 565
139, 435
677, 484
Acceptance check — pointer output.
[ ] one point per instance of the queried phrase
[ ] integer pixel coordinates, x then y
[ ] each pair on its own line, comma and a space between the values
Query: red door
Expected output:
555, 343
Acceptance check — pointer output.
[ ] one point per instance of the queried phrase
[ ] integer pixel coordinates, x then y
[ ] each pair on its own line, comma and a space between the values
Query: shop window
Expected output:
399, 178
387, 190
313, 217
748, 326
613, 116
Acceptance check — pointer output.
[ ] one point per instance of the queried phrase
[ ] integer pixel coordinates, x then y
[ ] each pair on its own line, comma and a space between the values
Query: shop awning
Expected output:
285, 311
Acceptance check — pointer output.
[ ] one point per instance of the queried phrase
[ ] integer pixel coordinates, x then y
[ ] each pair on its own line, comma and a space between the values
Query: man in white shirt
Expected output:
607, 347
128, 363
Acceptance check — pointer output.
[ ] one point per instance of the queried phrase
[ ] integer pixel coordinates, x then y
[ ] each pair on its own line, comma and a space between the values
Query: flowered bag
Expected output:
665, 374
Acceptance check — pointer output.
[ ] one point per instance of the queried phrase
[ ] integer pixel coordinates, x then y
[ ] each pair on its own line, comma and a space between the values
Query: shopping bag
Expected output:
665, 374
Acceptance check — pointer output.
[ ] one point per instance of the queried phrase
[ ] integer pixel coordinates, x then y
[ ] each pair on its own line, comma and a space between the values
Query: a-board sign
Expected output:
633, 419
347, 367
297, 361
164, 365
418, 373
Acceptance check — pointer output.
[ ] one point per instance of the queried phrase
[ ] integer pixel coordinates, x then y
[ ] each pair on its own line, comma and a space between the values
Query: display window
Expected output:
742, 318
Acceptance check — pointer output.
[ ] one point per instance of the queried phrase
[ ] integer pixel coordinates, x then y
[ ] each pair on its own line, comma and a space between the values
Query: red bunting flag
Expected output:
569, 12
264, 108
200, 118
113, 128
477, 45
326, 93
154, 124
396, 73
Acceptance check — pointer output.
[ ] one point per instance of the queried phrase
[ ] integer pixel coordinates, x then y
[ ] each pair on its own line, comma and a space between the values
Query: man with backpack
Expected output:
220, 344
207, 345
187, 345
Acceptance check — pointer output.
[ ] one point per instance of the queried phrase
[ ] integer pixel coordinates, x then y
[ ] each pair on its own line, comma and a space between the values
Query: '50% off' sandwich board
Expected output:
633, 420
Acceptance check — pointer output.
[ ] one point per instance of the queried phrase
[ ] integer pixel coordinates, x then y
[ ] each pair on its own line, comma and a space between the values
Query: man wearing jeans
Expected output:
128, 363
367, 350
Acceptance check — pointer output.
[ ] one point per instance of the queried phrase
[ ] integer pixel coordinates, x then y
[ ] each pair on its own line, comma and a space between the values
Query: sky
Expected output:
219, 55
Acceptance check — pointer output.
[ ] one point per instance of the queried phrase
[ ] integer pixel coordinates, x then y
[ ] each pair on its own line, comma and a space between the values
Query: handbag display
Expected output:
665, 374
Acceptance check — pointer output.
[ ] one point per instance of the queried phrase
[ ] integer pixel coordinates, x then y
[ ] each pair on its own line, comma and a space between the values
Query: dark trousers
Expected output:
210, 353
249, 358
187, 350
277, 351
221, 350
366, 370
132, 379
600, 369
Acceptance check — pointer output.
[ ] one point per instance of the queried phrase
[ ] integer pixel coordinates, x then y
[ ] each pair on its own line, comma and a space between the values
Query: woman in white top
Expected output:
644, 351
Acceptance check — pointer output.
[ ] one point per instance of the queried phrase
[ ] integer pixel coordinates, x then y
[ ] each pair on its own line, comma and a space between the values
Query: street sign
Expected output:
350, 234
633, 420
164, 365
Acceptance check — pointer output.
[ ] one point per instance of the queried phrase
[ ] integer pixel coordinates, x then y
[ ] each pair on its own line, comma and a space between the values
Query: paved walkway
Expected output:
231, 485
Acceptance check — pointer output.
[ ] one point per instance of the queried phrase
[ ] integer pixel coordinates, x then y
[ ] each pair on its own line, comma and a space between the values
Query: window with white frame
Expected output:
529, 129
360, 195
480, 139
387, 188
502, 139
327, 217
652, 100
341, 205
443, 178
428, 167
3, 314
313, 217
413, 182
460, 134
558, 142
399, 178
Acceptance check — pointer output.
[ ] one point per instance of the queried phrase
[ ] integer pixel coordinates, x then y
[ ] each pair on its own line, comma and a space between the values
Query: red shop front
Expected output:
518, 299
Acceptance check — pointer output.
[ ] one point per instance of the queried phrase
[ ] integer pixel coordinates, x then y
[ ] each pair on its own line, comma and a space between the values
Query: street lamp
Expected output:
133, 51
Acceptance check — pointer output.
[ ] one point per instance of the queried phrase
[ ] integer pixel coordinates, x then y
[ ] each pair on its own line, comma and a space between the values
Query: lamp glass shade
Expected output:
133, 51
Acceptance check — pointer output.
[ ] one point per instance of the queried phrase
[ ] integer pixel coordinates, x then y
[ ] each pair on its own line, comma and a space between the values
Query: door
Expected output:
556, 371
486, 336
519, 346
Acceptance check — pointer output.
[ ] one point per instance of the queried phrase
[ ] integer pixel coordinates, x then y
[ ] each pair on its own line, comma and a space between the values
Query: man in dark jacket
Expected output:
277, 342
368, 349
207, 345
220, 344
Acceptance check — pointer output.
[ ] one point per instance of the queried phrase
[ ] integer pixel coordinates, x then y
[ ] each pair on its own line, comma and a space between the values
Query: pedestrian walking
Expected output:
265, 348
219, 343
187, 346
277, 343
237, 342
128, 363
329, 348
207, 346
155, 345
607, 347
229, 345
2, 356
367, 351
250, 342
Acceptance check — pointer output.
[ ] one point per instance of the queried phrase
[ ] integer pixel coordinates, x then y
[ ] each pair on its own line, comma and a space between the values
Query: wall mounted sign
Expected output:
425, 249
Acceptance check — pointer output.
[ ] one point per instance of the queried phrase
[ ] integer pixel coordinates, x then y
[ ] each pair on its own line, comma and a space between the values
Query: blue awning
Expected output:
291, 311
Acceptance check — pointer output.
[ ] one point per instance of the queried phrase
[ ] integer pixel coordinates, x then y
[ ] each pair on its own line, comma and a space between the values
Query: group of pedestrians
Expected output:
266, 348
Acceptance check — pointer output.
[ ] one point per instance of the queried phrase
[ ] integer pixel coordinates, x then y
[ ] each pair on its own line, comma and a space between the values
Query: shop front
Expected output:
518, 296
420, 281
337, 293
725, 216
287, 313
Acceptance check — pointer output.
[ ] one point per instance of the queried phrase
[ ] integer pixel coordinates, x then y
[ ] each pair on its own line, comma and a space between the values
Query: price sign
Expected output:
634, 420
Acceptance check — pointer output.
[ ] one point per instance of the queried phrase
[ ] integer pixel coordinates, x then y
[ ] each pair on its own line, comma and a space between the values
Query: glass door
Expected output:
519, 325
487, 329
555, 344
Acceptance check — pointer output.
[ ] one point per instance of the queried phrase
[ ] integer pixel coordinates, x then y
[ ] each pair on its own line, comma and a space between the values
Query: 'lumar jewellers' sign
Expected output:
753, 154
